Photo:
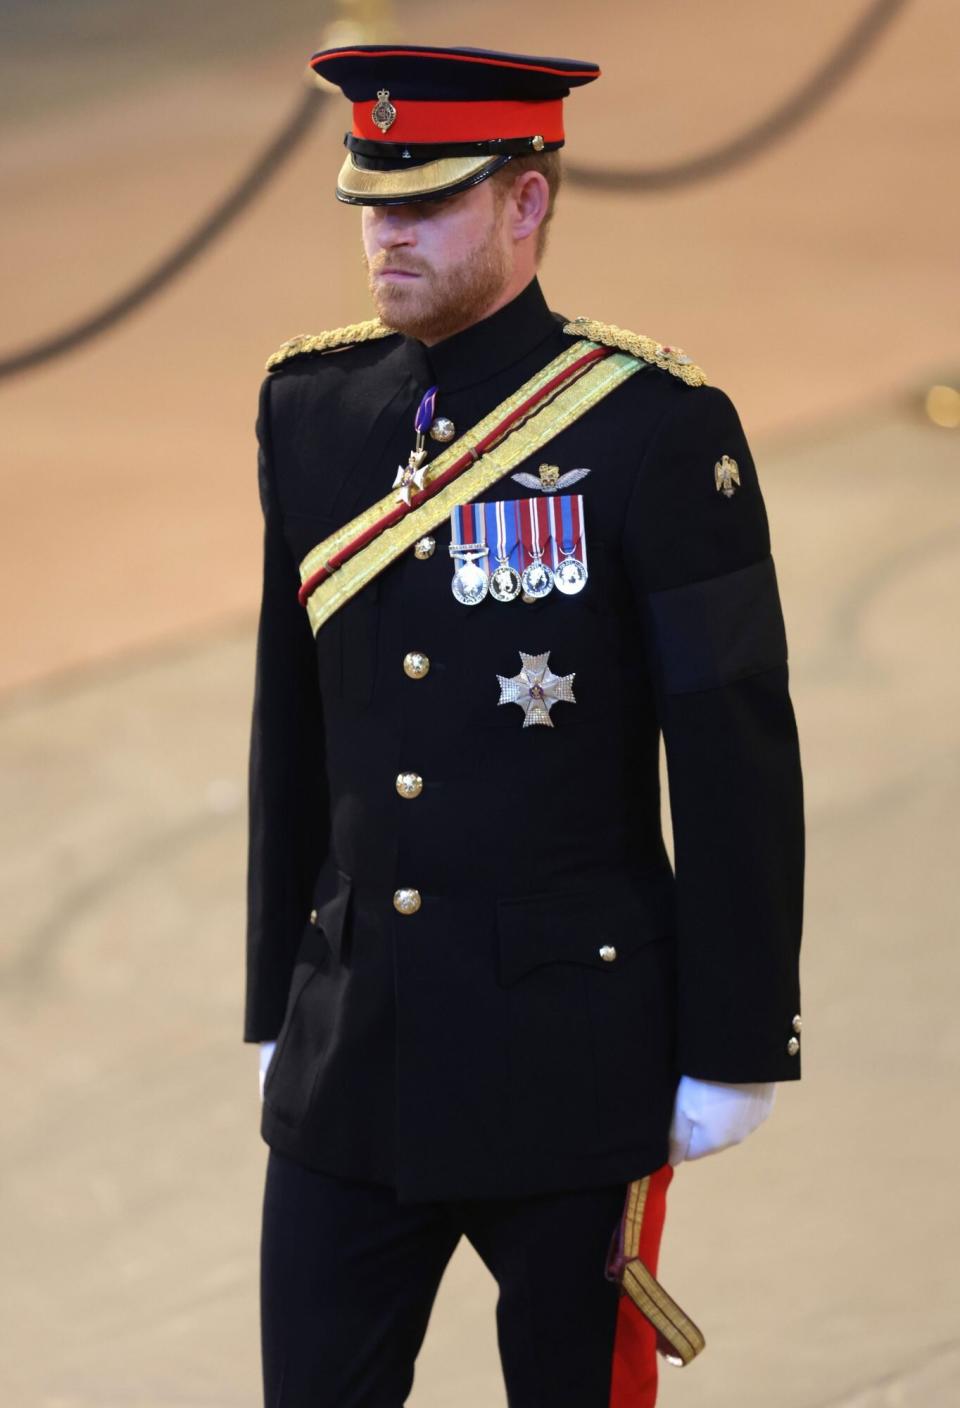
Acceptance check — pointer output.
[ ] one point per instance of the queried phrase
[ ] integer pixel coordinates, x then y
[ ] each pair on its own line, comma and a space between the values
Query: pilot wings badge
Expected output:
549, 479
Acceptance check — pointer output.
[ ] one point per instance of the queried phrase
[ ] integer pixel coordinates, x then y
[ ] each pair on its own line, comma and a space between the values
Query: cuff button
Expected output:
793, 1046
797, 1024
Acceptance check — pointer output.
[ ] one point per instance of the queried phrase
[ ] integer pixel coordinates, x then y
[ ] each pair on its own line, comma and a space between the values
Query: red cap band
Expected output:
462, 122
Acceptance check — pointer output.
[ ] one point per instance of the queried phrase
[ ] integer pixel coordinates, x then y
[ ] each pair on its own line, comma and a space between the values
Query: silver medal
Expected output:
570, 576
569, 570
505, 584
470, 583
536, 577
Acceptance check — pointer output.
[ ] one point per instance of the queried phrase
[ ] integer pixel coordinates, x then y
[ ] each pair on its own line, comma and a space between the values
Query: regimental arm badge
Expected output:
726, 476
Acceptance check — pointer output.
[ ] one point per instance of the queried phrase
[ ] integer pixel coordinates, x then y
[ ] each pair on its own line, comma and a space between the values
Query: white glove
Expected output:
266, 1051
709, 1115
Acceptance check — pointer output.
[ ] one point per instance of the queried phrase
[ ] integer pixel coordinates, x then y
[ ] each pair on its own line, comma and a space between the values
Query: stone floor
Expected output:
819, 1257
819, 287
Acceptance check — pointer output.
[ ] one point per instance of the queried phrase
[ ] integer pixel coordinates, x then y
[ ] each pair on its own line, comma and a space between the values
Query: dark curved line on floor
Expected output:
261, 171
746, 146
846, 621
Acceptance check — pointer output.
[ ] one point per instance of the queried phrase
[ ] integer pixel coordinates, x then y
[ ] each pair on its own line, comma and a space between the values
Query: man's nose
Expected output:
395, 227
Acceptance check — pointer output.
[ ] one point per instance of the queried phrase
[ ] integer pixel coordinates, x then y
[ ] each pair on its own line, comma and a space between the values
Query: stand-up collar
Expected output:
490, 346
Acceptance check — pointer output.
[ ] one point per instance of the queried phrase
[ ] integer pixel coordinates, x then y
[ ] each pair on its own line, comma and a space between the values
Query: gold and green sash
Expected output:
343, 581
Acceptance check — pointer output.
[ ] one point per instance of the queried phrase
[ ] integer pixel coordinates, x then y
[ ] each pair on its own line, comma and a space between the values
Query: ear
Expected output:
529, 198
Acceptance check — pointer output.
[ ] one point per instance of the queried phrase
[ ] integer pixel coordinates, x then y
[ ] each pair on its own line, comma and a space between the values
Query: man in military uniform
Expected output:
504, 553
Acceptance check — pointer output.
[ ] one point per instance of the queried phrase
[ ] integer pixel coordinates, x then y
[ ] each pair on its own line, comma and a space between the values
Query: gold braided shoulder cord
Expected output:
659, 354
327, 341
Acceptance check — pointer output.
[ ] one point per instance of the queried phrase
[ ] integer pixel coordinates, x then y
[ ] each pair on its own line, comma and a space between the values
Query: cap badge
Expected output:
726, 475
384, 114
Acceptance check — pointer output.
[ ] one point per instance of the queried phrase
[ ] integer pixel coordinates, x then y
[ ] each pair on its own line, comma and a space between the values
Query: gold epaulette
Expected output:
328, 341
669, 359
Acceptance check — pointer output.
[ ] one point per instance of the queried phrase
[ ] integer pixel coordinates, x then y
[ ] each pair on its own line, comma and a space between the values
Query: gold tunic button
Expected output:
424, 547
793, 1046
443, 430
607, 952
409, 784
797, 1024
406, 901
313, 917
416, 664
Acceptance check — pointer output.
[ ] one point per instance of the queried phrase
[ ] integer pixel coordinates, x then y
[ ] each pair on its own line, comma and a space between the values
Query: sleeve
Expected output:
706, 590
288, 796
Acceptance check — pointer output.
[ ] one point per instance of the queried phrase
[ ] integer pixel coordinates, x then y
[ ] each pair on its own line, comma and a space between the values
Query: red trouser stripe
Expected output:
633, 1382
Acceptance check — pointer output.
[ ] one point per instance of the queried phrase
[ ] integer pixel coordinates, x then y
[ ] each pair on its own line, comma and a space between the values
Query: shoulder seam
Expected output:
328, 341
659, 354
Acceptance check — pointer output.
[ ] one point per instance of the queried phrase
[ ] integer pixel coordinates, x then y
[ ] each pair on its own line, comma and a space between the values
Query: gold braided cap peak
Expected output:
660, 354
328, 341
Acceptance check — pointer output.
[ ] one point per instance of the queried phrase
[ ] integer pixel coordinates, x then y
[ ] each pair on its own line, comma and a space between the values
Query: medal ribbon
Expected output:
423, 420
570, 508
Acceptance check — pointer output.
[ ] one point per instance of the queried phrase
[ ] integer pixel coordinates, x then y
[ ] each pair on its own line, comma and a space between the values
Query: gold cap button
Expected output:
416, 664
406, 901
409, 784
793, 1046
607, 952
797, 1024
423, 547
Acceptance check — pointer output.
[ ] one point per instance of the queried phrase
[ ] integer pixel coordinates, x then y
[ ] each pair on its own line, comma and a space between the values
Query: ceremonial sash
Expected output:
336, 569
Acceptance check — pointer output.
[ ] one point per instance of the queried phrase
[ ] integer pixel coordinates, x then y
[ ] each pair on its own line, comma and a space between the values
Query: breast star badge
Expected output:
536, 689
726, 476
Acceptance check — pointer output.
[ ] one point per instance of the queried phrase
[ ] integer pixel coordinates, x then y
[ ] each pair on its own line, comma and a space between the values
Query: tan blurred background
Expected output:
818, 284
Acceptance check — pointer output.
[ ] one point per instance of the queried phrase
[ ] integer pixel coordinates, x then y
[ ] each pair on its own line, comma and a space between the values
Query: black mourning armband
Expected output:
711, 632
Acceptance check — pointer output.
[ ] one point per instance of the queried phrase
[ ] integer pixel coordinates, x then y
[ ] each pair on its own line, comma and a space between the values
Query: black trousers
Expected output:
349, 1277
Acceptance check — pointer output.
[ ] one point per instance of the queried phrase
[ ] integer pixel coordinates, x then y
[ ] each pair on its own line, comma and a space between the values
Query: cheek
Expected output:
368, 232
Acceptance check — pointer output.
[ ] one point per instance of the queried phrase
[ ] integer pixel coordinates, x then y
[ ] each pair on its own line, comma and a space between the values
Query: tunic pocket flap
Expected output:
599, 926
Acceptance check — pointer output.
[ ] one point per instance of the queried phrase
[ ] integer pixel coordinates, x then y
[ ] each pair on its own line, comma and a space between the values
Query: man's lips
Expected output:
397, 274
